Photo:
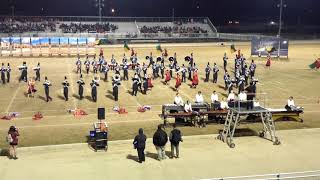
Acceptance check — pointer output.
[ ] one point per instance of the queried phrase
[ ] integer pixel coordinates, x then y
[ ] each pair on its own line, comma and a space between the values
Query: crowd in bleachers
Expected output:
173, 29
79, 27
21, 25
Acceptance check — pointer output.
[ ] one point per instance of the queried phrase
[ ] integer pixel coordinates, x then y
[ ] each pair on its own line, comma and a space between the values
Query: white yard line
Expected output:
72, 86
12, 99
77, 124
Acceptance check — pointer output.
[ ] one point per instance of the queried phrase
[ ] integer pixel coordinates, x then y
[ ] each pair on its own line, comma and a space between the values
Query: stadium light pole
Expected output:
280, 6
100, 5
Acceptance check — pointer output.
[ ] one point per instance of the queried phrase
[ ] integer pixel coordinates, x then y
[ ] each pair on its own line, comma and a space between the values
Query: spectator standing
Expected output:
139, 143
12, 139
160, 139
175, 138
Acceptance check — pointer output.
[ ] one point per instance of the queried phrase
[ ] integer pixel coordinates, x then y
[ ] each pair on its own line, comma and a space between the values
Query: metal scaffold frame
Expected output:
233, 120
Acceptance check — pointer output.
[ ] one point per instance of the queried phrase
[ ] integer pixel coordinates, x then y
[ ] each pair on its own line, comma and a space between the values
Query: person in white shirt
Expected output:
290, 105
214, 97
231, 96
242, 98
199, 98
178, 100
256, 103
224, 104
188, 107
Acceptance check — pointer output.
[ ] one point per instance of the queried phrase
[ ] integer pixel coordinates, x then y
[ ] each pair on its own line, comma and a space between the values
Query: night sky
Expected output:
220, 11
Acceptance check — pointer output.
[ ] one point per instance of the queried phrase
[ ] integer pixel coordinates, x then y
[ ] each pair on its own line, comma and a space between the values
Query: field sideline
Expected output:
285, 78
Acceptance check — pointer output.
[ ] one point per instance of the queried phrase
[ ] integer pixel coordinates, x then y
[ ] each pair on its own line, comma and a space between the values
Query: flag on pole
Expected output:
158, 47
126, 46
232, 48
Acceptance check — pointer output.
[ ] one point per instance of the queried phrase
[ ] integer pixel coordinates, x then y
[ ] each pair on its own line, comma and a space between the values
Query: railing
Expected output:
306, 175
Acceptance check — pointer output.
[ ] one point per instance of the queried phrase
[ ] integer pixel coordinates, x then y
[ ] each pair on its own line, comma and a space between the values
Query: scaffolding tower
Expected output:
233, 120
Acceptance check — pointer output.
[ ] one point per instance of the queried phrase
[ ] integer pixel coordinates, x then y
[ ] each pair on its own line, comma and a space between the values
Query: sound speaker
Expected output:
101, 113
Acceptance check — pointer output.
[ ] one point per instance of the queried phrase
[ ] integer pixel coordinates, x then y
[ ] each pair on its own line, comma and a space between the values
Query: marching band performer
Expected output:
124, 59
175, 62
165, 53
24, 72
94, 84
37, 69
215, 73
81, 84
8, 72
87, 64
78, 64
225, 61
3, 72
191, 62
47, 84
168, 77
31, 87
150, 85
145, 85
135, 84
125, 71
105, 69
252, 68
207, 70
113, 62
241, 84
115, 86
65, 85
154, 70
162, 67
268, 63
94, 64
190, 69
178, 81
134, 60
101, 62
144, 69
226, 77
195, 79
151, 61
101, 52
117, 69
183, 71
171, 67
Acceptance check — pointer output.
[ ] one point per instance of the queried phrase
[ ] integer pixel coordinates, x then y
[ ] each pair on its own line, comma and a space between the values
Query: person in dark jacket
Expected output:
139, 143
12, 139
175, 138
160, 139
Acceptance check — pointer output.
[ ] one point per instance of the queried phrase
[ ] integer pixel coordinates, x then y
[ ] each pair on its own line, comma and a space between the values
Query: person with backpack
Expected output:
139, 143
175, 138
12, 139
160, 139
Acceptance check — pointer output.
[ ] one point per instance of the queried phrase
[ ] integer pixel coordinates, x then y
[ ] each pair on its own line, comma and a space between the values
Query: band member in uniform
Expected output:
8, 72
3, 72
65, 85
171, 67
135, 84
207, 70
94, 84
268, 63
241, 84
162, 67
101, 62
145, 85
24, 72
94, 64
178, 82
101, 52
168, 77
37, 69
125, 71
225, 61
115, 86
190, 69
184, 71
113, 62
81, 84
134, 60
87, 64
151, 61
78, 64
252, 68
31, 87
144, 69
105, 69
215, 73
195, 79
191, 62
47, 84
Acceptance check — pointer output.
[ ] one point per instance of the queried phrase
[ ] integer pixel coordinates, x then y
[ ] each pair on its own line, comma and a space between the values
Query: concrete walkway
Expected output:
201, 157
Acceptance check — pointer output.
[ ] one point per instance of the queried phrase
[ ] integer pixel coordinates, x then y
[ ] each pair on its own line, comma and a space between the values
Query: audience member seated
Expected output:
175, 29
231, 99
178, 100
199, 98
78, 28
256, 102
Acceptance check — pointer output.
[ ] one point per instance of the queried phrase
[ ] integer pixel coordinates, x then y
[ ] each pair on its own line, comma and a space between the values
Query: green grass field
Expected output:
286, 77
